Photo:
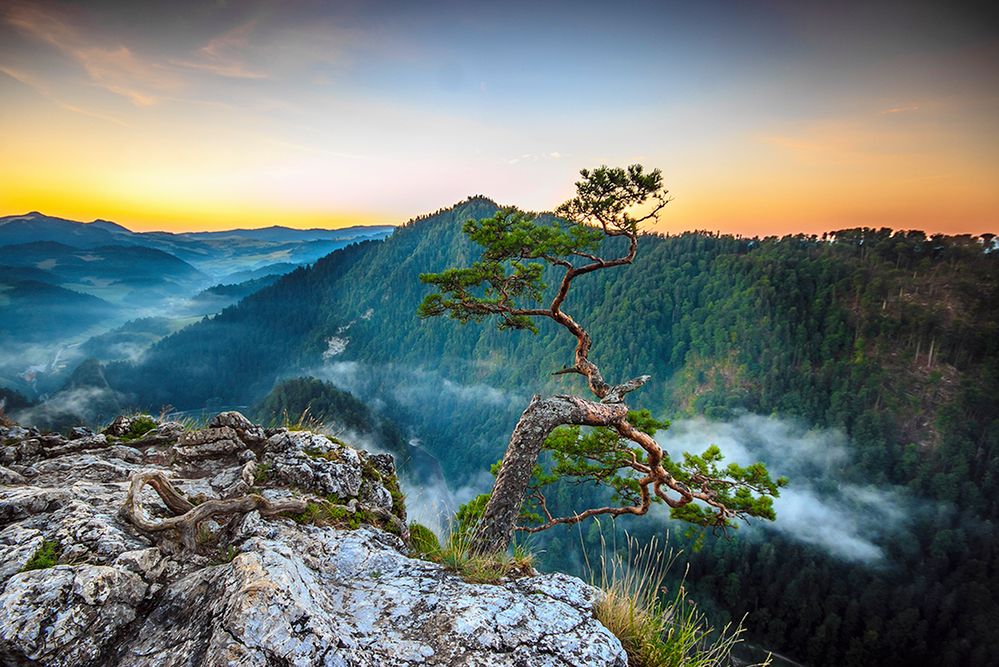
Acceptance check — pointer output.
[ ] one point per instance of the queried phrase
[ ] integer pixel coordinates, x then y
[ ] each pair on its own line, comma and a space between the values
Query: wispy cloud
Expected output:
277, 50
902, 109
122, 72
223, 55
117, 69
39, 87
536, 157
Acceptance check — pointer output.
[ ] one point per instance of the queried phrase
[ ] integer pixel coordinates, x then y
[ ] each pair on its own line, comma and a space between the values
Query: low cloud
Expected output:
819, 507
411, 387
433, 503
83, 405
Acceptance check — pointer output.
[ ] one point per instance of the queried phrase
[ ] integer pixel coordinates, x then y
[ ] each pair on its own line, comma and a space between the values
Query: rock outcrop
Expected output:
84, 582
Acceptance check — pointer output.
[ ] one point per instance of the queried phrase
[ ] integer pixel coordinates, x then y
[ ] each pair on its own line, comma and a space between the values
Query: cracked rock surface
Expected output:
263, 590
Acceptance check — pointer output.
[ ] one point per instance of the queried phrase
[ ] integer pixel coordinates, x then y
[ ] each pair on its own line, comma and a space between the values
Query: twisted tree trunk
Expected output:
539, 419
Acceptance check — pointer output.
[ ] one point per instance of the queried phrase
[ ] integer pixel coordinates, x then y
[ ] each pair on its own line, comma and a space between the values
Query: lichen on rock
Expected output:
249, 589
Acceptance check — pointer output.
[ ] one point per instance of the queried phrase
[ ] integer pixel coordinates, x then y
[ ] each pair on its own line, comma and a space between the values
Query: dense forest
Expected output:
889, 337
308, 402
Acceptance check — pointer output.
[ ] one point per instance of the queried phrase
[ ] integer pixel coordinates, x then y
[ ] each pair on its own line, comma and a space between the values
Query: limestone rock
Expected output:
164, 433
20, 450
66, 615
208, 443
331, 597
80, 432
234, 420
8, 476
265, 590
314, 462
17, 545
77, 445
248, 432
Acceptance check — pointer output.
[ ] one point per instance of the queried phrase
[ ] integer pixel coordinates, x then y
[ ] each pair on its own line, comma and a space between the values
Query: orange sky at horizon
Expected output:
240, 117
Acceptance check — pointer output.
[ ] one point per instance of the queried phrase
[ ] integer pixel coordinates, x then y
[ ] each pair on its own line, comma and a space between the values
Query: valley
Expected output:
68, 288
810, 353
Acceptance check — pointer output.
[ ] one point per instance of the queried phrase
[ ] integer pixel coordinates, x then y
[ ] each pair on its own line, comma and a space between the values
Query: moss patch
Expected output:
47, 556
333, 512
391, 483
316, 453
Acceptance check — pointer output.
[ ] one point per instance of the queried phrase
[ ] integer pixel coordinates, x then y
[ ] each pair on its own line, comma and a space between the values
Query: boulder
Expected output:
208, 443
333, 597
314, 462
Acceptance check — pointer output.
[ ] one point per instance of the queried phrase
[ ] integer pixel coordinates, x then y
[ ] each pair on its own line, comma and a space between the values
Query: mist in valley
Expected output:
72, 291
823, 506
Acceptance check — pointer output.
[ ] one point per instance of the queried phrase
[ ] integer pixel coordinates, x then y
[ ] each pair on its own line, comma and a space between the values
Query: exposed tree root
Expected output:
189, 516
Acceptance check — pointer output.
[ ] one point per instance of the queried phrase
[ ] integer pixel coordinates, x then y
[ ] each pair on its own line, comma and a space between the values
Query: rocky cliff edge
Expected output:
153, 544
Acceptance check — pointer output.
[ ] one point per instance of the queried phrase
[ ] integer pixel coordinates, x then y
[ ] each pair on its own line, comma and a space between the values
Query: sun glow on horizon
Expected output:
325, 116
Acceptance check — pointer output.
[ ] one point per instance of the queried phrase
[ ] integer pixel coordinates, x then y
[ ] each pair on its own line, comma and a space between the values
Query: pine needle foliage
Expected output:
601, 455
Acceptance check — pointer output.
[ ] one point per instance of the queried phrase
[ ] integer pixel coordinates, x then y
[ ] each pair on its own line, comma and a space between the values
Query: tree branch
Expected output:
617, 392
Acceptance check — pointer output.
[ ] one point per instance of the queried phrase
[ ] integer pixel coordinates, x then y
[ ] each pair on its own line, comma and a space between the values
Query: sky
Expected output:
764, 117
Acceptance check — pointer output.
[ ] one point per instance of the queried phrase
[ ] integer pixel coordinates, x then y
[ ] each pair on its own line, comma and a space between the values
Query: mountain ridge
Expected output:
112, 227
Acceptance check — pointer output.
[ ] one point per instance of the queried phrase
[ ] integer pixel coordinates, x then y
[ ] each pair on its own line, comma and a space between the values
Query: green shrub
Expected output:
140, 426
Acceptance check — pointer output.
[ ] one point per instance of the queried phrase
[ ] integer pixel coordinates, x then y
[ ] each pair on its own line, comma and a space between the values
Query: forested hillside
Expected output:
890, 337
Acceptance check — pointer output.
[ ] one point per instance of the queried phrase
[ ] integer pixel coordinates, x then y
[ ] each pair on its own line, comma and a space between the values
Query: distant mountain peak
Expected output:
482, 198
107, 224
472, 201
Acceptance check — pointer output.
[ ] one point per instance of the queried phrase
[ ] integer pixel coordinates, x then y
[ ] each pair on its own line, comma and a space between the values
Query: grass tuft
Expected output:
423, 540
657, 627
304, 422
225, 555
456, 555
260, 473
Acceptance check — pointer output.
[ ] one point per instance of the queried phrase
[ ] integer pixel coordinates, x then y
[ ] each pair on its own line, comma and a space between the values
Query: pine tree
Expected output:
507, 282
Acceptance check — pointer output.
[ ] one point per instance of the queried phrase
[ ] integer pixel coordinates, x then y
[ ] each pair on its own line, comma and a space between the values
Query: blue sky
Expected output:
764, 117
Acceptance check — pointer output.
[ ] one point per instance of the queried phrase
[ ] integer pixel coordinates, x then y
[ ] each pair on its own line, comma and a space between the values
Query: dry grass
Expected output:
304, 422
657, 627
